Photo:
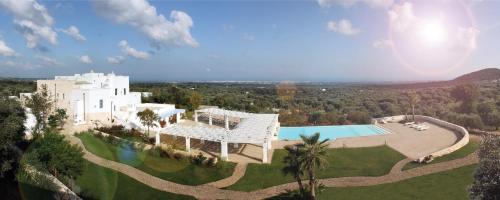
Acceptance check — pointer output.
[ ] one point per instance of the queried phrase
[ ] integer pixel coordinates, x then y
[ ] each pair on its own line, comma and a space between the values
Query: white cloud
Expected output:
46, 61
248, 37
19, 64
466, 38
348, 3
6, 50
129, 51
32, 20
143, 16
343, 26
382, 44
403, 20
116, 59
74, 33
85, 59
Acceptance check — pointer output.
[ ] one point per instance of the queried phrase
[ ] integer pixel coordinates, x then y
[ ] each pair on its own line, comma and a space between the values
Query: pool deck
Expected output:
408, 141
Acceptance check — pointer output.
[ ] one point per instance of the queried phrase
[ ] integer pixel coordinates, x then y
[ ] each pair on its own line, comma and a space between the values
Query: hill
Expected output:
487, 74
481, 75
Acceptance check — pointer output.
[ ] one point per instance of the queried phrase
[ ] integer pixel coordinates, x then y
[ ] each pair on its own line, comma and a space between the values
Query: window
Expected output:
124, 91
101, 103
116, 91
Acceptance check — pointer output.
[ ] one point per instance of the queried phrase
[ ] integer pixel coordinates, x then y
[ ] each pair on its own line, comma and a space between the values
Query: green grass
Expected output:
446, 185
182, 172
462, 152
98, 182
343, 162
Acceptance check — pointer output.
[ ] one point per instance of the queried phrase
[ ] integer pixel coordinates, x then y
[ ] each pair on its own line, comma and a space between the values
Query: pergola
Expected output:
252, 128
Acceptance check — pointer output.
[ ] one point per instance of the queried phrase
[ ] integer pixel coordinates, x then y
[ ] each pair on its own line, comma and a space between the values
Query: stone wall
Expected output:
460, 130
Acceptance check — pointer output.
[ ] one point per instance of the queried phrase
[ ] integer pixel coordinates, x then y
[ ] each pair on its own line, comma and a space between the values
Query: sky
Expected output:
244, 40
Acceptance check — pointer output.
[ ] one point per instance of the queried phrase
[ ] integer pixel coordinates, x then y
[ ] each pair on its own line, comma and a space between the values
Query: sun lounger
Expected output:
423, 128
409, 123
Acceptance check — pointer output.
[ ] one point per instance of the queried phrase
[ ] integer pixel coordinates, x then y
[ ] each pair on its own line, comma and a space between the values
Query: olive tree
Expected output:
486, 183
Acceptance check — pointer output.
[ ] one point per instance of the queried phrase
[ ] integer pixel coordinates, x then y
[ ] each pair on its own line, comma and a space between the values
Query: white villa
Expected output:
101, 98
106, 99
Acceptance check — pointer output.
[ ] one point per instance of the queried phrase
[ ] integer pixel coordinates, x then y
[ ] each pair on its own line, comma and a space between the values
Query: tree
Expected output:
293, 166
486, 184
148, 117
40, 104
195, 100
58, 119
467, 94
413, 99
313, 155
57, 156
11, 135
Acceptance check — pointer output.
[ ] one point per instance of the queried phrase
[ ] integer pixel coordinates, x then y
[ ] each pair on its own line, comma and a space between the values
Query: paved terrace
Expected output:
410, 142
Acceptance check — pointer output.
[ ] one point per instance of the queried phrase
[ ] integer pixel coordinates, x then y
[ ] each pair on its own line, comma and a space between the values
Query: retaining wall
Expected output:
459, 129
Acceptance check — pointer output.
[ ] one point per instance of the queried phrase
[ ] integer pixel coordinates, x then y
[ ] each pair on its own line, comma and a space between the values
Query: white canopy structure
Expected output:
252, 128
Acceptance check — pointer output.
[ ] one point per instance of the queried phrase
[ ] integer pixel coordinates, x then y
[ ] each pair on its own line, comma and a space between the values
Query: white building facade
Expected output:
101, 98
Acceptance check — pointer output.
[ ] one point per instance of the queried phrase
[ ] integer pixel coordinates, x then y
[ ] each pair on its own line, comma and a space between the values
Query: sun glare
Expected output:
432, 32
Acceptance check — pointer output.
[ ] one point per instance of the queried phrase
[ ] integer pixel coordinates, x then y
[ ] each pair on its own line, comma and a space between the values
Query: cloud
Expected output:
144, 17
85, 59
115, 59
466, 38
382, 44
349, 3
74, 33
129, 51
19, 64
403, 20
343, 26
248, 37
32, 20
46, 61
6, 50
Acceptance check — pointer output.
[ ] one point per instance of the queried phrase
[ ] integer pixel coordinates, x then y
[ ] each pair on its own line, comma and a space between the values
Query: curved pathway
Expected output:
239, 171
210, 190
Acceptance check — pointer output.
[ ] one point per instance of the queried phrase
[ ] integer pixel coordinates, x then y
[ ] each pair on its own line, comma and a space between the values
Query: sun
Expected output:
432, 32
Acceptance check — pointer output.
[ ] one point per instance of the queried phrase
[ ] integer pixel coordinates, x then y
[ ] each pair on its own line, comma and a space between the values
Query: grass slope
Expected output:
343, 162
167, 169
102, 183
445, 185
462, 152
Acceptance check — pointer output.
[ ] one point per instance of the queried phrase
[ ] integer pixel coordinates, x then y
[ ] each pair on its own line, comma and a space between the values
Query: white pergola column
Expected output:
223, 150
188, 144
177, 117
264, 152
195, 116
168, 122
226, 122
157, 138
209, 118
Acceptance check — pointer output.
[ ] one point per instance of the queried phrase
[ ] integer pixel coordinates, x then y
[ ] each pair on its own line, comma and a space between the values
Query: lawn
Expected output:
182, 172
462, 152
98, 182
343, 162
446, 185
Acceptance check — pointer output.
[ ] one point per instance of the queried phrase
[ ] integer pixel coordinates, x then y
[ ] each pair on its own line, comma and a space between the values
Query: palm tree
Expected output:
413, 99
313, 155
293, 165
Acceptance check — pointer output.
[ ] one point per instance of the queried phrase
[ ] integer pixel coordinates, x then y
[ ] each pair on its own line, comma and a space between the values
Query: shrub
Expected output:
178, 156
211, 161
198, 159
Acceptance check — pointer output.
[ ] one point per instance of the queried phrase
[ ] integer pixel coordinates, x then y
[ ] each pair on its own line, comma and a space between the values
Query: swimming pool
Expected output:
330, 132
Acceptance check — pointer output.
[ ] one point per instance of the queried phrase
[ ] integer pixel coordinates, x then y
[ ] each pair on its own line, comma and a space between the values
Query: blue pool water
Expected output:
330, 132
